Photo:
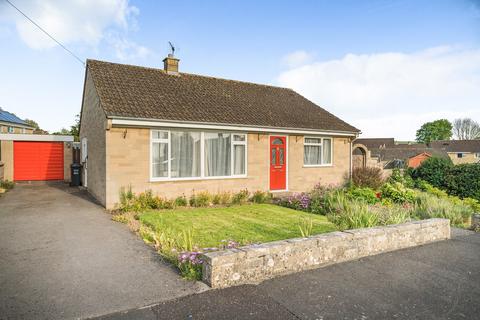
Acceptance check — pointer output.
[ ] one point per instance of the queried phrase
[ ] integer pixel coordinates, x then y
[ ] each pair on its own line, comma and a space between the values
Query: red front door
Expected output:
278, 163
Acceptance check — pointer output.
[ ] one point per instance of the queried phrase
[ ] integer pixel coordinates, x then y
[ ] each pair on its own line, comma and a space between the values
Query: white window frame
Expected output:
202, 156
11, 129
477, 155
321, 155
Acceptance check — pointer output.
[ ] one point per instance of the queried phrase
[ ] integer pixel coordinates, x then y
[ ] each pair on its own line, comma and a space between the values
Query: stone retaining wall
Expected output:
254, 263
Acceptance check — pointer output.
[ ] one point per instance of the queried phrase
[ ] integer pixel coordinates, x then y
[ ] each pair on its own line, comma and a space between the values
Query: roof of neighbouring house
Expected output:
400, 153
374, 143
9, 117
147, 93
457, 145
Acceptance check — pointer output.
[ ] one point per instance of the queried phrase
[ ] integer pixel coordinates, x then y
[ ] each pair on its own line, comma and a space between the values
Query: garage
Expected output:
32, 157
33, 160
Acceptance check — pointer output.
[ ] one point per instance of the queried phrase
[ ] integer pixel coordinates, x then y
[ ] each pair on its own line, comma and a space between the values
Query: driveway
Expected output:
435, 281
62, 257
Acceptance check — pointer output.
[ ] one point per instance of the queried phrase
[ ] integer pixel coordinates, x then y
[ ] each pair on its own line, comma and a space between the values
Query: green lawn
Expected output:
246, 224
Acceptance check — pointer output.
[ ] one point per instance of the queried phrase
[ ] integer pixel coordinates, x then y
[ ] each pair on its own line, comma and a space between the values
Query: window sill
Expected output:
197, 178
317, 165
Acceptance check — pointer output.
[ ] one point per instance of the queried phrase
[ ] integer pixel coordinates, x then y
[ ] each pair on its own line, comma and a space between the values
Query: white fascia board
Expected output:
121, 122
35, 137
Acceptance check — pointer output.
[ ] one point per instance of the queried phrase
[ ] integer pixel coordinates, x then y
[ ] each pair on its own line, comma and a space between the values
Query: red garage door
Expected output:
37, 160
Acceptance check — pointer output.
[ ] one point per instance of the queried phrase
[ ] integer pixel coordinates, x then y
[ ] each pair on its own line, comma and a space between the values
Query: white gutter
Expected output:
35, 137
121, 122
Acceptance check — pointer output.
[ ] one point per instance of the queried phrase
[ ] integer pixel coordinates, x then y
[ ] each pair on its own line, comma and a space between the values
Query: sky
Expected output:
384, 66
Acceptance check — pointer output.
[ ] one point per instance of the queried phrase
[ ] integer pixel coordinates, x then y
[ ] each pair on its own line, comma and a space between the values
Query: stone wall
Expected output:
255, 263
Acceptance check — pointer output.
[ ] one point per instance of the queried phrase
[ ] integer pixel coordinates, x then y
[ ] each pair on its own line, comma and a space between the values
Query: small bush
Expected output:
240, 197
6, 184
260, 197
317, 198
181, 201
368, 177
297, 201
398, 193
367, 195
430, 206
434, 171
401, 177
202, 199
127, 199
350, 214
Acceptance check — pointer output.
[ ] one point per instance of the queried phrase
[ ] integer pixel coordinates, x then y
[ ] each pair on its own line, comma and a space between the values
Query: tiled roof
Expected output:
6, 116
147, 93
400, 153
373, 143
457, 145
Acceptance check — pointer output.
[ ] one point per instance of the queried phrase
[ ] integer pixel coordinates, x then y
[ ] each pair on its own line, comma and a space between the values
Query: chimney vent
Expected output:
170, 64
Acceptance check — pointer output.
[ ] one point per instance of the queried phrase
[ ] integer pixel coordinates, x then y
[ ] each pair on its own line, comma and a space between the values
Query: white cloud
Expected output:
126, 49
392, 94
85, 22
297, 58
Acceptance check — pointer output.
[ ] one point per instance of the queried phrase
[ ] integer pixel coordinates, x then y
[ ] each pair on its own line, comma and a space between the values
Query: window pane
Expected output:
280, 156
239, 137
313, 140
239, 159
274, 156
327, 151
277, 141
312, 155
185, 161
159, 160
217, 154
160, 135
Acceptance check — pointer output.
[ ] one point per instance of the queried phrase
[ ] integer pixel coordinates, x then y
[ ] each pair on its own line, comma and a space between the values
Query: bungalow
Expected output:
459, 151
176, 133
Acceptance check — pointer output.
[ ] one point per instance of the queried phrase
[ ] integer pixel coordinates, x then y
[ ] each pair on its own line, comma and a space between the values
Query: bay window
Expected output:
317, 151
193, 154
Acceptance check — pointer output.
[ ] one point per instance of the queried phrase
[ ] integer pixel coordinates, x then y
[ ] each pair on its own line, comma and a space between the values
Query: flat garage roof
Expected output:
35, 137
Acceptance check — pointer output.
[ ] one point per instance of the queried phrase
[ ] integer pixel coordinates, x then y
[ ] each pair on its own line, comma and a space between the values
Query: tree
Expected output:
466, 129
74, 129
37, 129
435, 130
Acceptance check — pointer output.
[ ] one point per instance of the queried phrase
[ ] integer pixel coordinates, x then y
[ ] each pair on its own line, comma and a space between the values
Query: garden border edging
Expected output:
255, 263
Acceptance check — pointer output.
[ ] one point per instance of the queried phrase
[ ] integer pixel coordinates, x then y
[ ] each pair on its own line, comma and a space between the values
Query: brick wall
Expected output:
255, 263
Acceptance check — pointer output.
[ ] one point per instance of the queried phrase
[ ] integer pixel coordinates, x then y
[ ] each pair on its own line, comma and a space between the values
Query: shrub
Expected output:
392, 214
430, 206
367, 195
369, 177
260, 197
434, 171
127, 199
317, 198
297, 201
398, 193
181, 201
240, 197
146, 200
463, 180
350, 214
6, 184
203, 199
401, 177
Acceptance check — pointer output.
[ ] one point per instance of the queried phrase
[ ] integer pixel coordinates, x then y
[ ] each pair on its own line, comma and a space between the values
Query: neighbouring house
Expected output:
387, 154
177, 133
35, 157
460, 151
10, 123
